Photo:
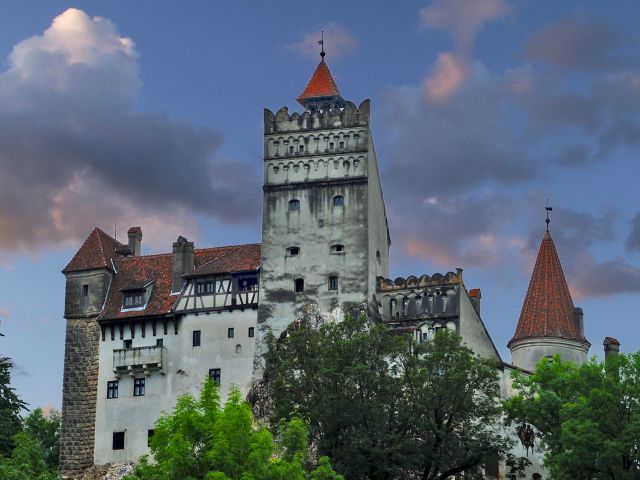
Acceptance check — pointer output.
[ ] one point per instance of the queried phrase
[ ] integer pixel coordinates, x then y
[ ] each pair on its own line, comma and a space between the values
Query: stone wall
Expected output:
79, 396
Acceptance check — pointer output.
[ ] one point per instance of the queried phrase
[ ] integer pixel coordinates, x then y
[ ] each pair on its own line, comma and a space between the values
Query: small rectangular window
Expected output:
294, 204
138, 387
85, 290
118, 440
132, 300
298, 285
290, 148
333, 283
331, 146
230, 332
127, 343
293, 251
251, 332
196, 338
215, 375
247, 284
341, 145
205, 288
301, 148
159, 342
112, 389
150, 433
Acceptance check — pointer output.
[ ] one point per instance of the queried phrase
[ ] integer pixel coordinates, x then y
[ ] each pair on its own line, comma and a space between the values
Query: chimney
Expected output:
578, 319
611, 347
135, 240
183, 261
475, 295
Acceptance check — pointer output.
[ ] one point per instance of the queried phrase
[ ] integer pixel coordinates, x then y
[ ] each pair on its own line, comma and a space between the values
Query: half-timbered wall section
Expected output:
220, 293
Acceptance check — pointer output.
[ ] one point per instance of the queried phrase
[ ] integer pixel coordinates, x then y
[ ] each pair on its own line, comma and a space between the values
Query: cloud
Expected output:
604, 278
463, 18
633, 240
75, 153
579, 41
5, 312
338, 42
445, 78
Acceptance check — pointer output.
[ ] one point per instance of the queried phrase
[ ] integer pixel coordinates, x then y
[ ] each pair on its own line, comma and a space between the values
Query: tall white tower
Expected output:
325, 237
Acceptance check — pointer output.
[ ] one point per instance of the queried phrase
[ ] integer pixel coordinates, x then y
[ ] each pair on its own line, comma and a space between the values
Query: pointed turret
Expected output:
549, 323
321, 93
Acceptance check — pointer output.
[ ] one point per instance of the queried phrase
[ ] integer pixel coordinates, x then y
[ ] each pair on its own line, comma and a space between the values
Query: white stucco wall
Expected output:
186, 368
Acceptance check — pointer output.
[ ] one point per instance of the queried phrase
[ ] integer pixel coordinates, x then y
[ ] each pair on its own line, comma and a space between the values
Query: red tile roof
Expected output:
240, 258
475, 293
548, 308
96, 252
134, 272
135, 230
321, 84
611, 341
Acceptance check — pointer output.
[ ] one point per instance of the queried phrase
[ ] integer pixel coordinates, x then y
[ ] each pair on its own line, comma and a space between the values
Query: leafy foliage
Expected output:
587, 416
203, 440
27, 461
383, 407
10, 407
45, 430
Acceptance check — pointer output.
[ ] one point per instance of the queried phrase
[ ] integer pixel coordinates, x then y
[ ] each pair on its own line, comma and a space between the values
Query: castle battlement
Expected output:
347, 117
435, 280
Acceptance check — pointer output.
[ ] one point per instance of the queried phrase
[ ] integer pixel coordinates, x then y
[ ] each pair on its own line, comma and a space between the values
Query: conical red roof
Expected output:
548, 308
96, 252
320, 85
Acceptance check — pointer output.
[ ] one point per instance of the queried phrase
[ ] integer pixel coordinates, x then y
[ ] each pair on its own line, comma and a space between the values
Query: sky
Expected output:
150, 113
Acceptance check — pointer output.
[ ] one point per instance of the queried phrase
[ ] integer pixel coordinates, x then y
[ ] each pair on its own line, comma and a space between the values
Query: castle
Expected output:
143, 330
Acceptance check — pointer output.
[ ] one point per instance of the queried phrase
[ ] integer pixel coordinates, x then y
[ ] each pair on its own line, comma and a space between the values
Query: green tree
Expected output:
203, 440
382, 406
587, 416
45, 430
10, 407
27, 461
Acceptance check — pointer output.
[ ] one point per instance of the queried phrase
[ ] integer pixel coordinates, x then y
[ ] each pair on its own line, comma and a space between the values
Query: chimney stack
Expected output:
135, 240
611, 347
578, 318
183, 261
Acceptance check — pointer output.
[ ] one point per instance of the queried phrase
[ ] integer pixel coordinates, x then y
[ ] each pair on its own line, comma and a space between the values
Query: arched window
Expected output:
298, 285
337, 248
338, 201
294, 204
293, 251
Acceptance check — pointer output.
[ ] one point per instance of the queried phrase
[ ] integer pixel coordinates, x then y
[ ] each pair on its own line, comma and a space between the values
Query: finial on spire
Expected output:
321, 42
548, 209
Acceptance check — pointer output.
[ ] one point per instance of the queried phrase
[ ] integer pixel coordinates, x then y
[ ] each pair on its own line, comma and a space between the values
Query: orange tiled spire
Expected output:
548, 309
321, 92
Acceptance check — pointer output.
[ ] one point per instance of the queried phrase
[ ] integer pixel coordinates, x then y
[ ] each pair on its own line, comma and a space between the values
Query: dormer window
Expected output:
338, 201
133, 299
294, 204
293, 251
337, 248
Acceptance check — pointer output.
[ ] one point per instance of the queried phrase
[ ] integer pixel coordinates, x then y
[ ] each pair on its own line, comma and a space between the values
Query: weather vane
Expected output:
548, 209
321, 43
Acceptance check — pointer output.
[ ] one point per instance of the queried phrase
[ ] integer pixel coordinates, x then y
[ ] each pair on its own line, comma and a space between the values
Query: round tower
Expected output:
549, 323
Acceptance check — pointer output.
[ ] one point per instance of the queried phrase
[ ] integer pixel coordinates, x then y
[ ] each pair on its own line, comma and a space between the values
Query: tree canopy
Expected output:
382, 406
46, 430
587, 416
10, 408
203, 440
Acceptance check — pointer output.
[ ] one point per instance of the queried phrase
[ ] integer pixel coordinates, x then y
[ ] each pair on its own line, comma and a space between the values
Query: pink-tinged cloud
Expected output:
338, 42
5, 312
72, 137
445, 77
463, 18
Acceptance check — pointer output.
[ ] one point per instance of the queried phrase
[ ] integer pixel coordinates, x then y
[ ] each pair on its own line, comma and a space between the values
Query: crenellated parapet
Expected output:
347, 117
428, 302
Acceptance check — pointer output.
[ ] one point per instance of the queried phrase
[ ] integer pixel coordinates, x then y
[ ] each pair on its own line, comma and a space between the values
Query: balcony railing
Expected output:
139, 359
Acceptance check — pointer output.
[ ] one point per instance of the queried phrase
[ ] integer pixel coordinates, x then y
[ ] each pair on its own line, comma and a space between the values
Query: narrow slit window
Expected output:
301, 148
294, 204
196, 338
85, 290
290, 148
333, 283
331, 144
251, 332
230, 332
338, 201
150, 436
298, 285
